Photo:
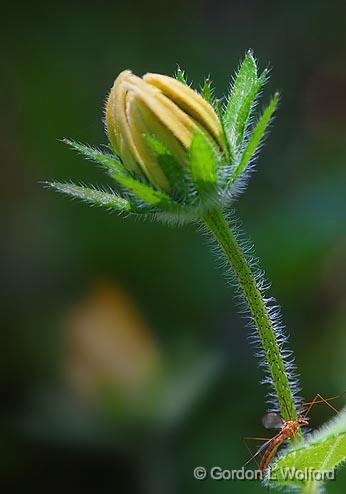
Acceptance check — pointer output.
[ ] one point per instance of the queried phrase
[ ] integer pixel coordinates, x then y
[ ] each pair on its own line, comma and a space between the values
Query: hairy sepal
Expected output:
180, 76
203, 165
106, 161
207, 91
241, 101
140, 190
175, 173
94, 196
144, 192
255, 139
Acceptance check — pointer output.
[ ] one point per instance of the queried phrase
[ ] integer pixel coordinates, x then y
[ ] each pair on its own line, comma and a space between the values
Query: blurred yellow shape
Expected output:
109, 345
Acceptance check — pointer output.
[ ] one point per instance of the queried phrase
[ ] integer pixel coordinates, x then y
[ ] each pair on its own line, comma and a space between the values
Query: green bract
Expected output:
175, 153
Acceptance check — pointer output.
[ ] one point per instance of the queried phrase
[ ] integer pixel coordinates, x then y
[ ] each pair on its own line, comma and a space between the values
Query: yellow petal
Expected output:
111, 122
172, 117
117, 125
147, 158
153, 127
114, 105
189, 101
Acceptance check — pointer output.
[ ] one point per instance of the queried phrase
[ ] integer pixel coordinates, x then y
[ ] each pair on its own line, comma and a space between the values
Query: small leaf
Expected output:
180, 75
139, 189
241, 100
244, 81
229, 155
203, 163
174, 172
144, 192
107, 161
246, 109
255, 138
207, 91
94, 196
324, 451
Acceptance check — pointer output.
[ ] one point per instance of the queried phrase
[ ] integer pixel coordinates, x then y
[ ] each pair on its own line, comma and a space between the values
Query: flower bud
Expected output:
161, 107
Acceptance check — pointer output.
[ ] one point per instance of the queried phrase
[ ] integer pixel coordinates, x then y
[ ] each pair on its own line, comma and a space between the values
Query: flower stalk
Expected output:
221, 231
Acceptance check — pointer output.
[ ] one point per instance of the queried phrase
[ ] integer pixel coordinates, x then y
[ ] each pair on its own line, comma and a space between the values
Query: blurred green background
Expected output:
124, 360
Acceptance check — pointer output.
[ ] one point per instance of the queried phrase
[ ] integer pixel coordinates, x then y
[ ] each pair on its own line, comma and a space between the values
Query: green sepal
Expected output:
207, 91
144, 192
229, 155
247, 107
140, 190
94, 196
241, 100
180, 76
174, 172
107, 161
203, 164
255, 138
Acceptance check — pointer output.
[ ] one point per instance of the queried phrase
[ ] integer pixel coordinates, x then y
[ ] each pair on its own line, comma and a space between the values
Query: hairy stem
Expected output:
222, 232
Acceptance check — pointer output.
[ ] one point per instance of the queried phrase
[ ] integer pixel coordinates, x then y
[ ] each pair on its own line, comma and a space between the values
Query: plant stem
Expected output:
218, 225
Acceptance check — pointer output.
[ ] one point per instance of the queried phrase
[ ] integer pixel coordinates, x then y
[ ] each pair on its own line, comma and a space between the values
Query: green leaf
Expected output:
246, 109
174, 172
241, 100
230, 155
94, 196
109, 162
324, 451
255, 138
121, 176
207, 91
203, 163
144, 192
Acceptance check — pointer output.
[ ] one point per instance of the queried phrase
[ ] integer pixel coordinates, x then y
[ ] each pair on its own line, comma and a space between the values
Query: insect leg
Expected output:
319, 399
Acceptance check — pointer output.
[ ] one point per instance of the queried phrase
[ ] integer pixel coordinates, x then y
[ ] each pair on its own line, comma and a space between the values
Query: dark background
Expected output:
65, 264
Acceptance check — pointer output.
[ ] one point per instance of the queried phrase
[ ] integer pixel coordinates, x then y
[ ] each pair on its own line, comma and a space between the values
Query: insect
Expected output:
288, 429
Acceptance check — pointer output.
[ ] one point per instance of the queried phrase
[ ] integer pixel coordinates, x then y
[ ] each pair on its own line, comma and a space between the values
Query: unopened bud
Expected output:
161, 107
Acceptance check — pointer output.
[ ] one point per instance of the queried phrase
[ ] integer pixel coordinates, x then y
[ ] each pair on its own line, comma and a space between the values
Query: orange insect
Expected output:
288, 429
